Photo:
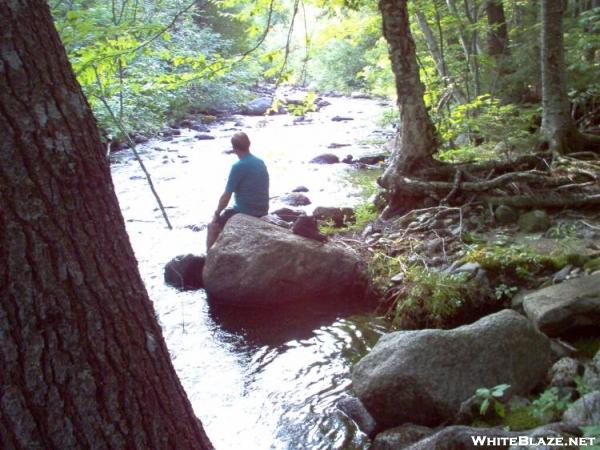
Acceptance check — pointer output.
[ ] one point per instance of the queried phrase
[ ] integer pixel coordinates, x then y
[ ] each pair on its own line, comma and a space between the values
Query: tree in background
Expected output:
84, 363
557, 123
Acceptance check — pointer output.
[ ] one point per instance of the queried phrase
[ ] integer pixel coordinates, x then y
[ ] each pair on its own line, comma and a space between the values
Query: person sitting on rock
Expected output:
249, 181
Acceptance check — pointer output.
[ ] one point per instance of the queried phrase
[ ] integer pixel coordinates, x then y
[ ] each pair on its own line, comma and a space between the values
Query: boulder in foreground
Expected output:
254, 263
423, 376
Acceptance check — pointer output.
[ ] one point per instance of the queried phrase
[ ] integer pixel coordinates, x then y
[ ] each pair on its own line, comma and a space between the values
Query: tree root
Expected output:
534, 181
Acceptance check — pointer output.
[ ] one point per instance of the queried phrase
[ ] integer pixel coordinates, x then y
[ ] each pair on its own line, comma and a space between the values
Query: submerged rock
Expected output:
566, 307
296, 199
254, 263
185, 272
423, 376
325, 158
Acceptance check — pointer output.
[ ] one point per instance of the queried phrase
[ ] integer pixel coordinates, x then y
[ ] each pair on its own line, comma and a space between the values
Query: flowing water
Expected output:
257, 380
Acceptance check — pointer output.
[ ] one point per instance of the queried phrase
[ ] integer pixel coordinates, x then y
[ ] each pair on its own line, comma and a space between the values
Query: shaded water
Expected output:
257, 380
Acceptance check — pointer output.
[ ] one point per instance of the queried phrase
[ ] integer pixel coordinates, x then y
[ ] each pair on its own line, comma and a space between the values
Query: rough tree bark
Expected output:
83, 361
417, 139
557, 125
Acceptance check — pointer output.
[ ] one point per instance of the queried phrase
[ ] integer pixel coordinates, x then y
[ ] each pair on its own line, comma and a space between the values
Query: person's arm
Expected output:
223, 202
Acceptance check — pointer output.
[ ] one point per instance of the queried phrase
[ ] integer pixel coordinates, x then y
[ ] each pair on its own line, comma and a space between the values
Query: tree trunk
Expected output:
557, 125
83, 361
417, 139
498, 34
438, 57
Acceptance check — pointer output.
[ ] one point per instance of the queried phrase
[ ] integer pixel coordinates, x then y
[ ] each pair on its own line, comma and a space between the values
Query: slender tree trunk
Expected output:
83, 361
438, 58
417, 139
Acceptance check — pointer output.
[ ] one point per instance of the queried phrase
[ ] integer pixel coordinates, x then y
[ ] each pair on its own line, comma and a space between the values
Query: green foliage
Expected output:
504, 128
307, 105
514, 261
383, 267
491, 397
549, 406
521, 418
431, 298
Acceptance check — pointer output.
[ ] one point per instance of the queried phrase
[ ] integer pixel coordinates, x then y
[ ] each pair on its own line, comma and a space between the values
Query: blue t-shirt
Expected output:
249, 182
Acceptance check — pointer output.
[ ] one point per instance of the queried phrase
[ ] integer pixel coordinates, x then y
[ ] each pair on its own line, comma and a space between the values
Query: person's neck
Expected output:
243, 155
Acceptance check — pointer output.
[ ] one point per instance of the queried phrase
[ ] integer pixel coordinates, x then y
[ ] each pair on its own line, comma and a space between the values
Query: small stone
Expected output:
300, 189
564, 372
341, 119
398, 278
204, 137
562, 274
534, 221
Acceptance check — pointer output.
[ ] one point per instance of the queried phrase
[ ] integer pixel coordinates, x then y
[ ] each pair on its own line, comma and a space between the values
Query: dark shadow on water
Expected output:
280, 324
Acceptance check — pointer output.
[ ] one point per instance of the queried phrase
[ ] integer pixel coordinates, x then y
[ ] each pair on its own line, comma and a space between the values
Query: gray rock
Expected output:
423, 376
254, 263
339, 216
272, 219
471, 268
565, 307
204, 137
300, 189
400, 437
353, 408
198, 126
185, 272
585, 411
296, 199
534, 221
370, 160
325, 158
461, 437
591, 375
341, 119
258, 107
505, 215
564, 372
562, 274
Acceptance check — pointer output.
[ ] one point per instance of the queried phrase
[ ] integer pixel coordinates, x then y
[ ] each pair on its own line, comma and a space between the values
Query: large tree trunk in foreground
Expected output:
83, 361
557, 125
417, 139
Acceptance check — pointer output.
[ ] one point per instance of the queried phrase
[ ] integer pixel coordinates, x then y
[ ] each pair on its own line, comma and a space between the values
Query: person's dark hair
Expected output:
240, 141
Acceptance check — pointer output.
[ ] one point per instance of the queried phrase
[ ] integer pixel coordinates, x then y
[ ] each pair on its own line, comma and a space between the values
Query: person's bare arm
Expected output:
223, 202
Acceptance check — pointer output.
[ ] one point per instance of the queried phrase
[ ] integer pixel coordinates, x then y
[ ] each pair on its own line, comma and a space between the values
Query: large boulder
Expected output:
254, 263
423, 376
185, 272
565, 307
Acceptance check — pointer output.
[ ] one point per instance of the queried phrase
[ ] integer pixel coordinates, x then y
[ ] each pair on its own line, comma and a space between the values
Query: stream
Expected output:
257, 380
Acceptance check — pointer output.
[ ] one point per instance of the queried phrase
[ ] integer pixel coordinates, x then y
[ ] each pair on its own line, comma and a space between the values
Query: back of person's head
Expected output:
240, 142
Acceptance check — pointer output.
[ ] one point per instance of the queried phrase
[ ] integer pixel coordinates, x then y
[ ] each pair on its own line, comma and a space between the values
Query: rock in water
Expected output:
254, 263
325, 158
296, 199
185, 272
423, 376
258, 107
566, 307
